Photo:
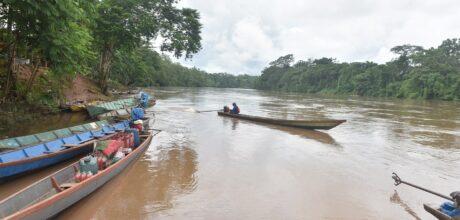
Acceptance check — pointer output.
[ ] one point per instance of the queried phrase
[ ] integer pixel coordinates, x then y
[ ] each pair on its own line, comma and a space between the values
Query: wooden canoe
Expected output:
77, 107
22, 161
436, 213
95, 110
56, 192
305, 124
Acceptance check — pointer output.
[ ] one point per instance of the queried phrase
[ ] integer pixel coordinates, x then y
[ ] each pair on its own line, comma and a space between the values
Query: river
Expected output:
202, 166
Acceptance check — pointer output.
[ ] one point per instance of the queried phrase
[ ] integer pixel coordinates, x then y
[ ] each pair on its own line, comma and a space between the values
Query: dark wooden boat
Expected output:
56, 192
437, 213
305, 124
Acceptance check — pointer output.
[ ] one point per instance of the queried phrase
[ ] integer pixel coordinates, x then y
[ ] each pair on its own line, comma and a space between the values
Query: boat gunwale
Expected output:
62, 195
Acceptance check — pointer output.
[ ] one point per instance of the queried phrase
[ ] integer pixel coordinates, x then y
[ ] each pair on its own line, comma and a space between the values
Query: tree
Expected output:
417, 73
53, 30
404, 52
283, 61
324, 61
126, 24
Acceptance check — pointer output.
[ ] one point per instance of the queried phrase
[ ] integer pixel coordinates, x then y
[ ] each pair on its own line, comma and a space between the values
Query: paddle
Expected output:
399, 181
208, 110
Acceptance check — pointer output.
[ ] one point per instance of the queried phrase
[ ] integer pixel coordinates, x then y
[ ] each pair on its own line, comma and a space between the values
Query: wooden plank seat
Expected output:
65, 186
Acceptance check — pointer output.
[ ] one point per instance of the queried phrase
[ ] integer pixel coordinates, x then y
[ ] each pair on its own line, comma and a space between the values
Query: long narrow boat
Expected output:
56, 192
439, 214
35, 139
305, 124
21, 161
95, 110
120, 114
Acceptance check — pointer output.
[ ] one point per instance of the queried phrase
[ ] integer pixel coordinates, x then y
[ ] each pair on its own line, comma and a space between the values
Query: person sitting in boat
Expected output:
137, 113
226, 109
452, 209
235, 109
144, 99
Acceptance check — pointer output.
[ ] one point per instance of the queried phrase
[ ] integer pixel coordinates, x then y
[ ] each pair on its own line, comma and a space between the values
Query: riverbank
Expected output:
45, 102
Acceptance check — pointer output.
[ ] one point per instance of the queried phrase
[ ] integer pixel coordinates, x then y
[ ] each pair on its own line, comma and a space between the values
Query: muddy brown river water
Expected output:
203, 166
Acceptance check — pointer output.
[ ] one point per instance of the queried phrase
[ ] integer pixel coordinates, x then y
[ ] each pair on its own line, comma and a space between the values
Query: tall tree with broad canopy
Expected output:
52, 30
127, 24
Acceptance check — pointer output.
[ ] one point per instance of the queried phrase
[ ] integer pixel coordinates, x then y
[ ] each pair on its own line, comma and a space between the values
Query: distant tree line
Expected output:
432, 73
146, 67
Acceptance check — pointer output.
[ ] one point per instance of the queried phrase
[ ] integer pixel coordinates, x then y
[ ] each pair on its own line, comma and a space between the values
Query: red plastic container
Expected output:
78, 177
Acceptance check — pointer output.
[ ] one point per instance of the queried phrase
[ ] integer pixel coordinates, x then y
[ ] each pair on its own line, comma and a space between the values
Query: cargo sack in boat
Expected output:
136, 138
109, 147
127, 139
88, 164
118, 156
112, 147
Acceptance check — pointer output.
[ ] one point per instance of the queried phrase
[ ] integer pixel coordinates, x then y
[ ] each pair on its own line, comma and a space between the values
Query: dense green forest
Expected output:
57, 39
109, 41
106, 40
432, 73
146, 67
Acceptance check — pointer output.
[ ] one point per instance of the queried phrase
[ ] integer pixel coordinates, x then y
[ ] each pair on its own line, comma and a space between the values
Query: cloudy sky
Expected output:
243, 36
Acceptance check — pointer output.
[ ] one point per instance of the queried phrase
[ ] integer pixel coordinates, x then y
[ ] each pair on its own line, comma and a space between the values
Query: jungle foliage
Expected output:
68, 37
432, 73
109, 41
146, 67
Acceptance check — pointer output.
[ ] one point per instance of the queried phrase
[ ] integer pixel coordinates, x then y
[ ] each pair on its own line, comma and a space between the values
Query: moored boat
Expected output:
95, 110
77, 107
40, 155
120, 114
56, 192
305, 124
34, 139
26, 159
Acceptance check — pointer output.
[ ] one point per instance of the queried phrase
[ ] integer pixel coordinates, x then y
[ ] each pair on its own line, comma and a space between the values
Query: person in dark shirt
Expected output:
235, 109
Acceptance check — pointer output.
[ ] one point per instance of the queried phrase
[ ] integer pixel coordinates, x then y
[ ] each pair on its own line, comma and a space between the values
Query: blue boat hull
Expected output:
12, 171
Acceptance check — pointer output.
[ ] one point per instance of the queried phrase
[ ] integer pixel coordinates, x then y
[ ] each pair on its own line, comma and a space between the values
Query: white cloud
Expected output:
241, 36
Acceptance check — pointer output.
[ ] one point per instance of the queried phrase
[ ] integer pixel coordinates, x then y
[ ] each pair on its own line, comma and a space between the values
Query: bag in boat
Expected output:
109, 147
127, 139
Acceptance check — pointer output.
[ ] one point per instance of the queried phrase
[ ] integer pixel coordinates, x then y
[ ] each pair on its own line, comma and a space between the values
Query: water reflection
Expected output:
149, 187
44, 123
172, 171
319, 136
